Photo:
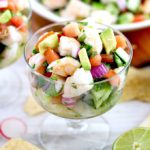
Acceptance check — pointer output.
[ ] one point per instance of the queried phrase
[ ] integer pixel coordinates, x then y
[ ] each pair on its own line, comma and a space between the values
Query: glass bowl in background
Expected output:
13, 36
75, 133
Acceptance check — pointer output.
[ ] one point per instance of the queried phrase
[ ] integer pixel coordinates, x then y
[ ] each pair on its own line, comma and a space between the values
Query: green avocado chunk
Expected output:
5, 16
49, 42
84, 59
108, 40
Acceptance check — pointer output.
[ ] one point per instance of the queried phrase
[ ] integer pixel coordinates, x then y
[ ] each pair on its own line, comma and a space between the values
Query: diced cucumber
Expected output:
122, 54
100, 93
133, 5
125, 18
51, 91
118, 61
84, 59
41, 81
109, 40
113, 9
5, 16
88, 98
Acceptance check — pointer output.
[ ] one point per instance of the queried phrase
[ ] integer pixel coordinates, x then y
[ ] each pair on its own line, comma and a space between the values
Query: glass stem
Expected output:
76, 125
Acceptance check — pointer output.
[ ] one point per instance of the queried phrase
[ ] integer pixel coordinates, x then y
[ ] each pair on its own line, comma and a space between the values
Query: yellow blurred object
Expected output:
19, 144
146, 122
137, 86
32, 108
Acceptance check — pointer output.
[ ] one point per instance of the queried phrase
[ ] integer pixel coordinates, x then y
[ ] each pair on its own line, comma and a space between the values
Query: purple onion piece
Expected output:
121, 4
99, 72
68, 102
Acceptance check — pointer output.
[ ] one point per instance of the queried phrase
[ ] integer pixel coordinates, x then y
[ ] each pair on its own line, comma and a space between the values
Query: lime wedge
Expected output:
135, 139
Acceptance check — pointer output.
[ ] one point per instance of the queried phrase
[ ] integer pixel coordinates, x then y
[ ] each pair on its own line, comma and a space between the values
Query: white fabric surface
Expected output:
121, 118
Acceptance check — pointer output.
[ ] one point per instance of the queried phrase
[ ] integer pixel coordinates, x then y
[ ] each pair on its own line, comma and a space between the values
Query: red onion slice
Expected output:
68, 102
12, 128
121, 4
99, 72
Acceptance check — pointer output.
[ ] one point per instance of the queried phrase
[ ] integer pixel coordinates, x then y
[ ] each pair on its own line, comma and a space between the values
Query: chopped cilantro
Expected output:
45, 64
34, 51
74, 85
33, 67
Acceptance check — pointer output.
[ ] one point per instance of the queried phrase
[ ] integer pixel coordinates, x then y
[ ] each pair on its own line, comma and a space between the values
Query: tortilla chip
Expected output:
137, 86
19, 144
32, 108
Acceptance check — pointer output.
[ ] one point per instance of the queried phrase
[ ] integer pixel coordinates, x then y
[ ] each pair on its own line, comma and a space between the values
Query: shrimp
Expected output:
13, 36
55, 4
68, 46
79, 83
36, 61
76, 9
64, 67
93, 39
71, 30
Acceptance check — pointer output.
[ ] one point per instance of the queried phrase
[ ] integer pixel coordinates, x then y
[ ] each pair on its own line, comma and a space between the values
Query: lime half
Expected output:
135, 139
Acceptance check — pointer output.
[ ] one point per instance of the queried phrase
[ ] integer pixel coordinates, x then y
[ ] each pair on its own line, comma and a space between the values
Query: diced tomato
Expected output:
108, 58
95, 61
139, 18
48, 74
51, 56
17, 21
42, 38
115, 81
41, 69
121, 42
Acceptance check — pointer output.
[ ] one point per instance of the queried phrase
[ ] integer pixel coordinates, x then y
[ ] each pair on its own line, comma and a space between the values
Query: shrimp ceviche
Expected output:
13, 29
102, 11
75, 72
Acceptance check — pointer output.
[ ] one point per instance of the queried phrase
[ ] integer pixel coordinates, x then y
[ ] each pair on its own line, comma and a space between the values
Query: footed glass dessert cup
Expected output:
14, 18
75, 123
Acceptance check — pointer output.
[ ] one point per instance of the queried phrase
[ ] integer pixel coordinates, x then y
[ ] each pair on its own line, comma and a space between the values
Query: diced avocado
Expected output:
109, 40
84, 59
49, 42
118, 61
125, 18
100, 93
5, 17
121, 53
133, 5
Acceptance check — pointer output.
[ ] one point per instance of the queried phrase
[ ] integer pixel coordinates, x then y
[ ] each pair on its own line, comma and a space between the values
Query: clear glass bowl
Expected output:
83, 106
10, 51
13, 52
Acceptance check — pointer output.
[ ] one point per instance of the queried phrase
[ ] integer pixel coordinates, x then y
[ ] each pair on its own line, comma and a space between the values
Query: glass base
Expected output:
10, 86
60, 134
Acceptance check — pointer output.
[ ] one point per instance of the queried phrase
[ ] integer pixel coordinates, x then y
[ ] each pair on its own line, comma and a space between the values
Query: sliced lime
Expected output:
135, 139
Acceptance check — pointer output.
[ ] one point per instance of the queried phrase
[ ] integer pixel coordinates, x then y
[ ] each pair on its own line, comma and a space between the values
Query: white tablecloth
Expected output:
121, 118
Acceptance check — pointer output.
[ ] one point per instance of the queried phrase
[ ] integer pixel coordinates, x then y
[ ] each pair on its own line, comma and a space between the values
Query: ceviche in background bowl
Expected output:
77, 71
117, 12
14, 17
